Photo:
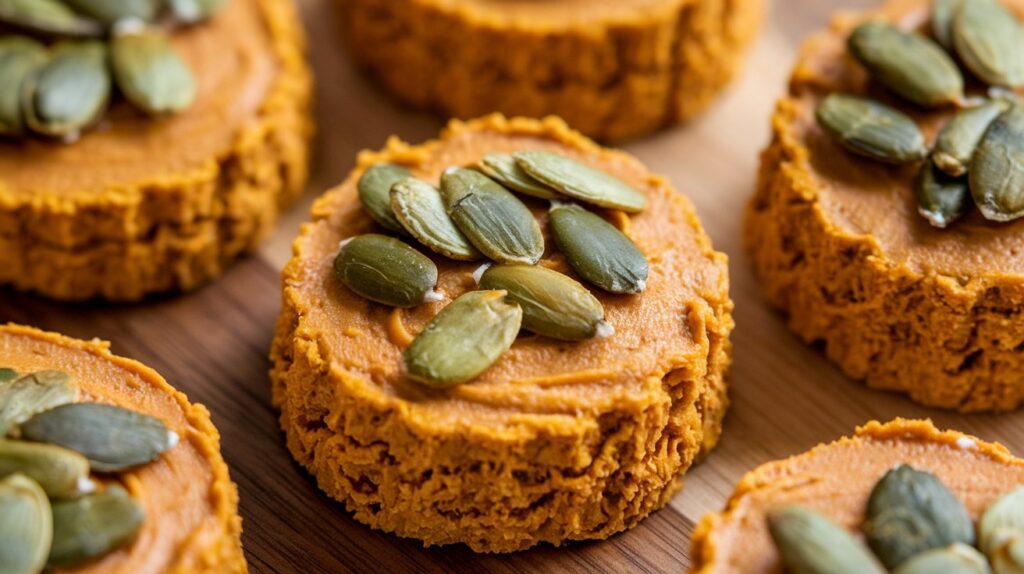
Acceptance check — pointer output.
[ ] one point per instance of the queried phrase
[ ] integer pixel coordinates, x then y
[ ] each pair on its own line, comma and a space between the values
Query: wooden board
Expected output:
213, 344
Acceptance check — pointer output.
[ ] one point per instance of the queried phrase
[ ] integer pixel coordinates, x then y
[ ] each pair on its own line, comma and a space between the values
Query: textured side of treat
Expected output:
557, 477
175, 233
611, 80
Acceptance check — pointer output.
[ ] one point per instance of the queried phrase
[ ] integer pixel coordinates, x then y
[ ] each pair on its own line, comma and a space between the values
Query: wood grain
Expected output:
213, 344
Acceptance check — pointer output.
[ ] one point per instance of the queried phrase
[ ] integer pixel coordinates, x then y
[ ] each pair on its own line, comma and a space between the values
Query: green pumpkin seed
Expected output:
420, 209
909, 512
907, 63
1001, 533
60, 472
597, 250
989, 40
47, 17
385, 270
375, 193
580, 181
7, 375
493, 219
70, 92
150, 72
943, 12
941, 199
809, 543
871, 129
113, 11
464, 339
502, 168
996, 177
31, 394
20, 57
112, 438
957, 141
93, 525
26, 526
955, 559
192, 11
553, 304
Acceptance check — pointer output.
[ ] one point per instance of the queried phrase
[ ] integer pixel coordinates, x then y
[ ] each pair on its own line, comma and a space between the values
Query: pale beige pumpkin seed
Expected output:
112, 11
502, 167
597, 250
955, 559
191, 11
19, 58
943, 12
70, 92
871, 129
47, 17
996, 177
93, 525
553, 304
386, 270
59, 471
464, 339
34, 393
375, 193
495, 221
150, 72
990, 42
810, 543
580, 181
420, 209
958, 139
941, 199
111, 438
26, 525
907, 63
1001, 532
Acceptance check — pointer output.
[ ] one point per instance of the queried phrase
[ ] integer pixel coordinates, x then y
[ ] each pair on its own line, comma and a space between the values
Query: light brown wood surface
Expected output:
213, 344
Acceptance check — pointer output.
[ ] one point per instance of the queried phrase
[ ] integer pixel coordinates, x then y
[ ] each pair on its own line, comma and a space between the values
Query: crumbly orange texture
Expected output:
171, 233
511, 478
949, 341
611, 78
736, 539
213, 545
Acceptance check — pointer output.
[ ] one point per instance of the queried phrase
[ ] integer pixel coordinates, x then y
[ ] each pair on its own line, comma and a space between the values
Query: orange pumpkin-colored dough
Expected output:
191, 506
839, 246
836, 479
141, 205
613, 69
556, 441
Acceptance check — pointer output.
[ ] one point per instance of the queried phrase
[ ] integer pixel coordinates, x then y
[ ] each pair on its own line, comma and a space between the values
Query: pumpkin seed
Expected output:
7, 375
31, 394
989, 40
911, 511
375, 193
580, 181
810, 543
502, 168
385, 270
996, 177
19, 58
1001, 533
420, 209
554, 305
69, 92
943, 12
597, 250
907, 63
871, 129
464, 339
111, 11
150, 72
191, 11
955, 559
112, 438
59, 471
941, 199
26, 526
957, 141
47, 17
93, 525
493, 219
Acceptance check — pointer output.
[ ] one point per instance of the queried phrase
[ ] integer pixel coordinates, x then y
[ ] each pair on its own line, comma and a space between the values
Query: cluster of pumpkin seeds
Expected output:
60, 61
978, 156
913, 525
476, 215
52, 513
